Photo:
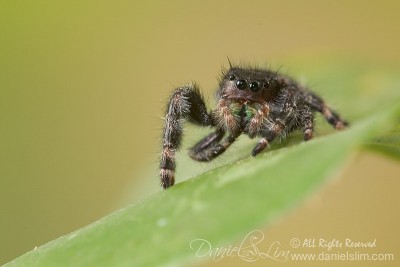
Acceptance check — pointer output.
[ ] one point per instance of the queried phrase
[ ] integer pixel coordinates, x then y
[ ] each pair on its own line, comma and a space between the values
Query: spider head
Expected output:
245, 84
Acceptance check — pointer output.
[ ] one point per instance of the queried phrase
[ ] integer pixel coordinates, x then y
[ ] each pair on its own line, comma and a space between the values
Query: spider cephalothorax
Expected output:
253, 101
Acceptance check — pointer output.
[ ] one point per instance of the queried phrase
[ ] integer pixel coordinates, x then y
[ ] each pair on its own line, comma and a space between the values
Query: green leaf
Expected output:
228, 201
387, 143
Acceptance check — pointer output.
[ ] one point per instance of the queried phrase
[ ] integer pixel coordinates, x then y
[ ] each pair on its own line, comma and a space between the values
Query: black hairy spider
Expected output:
254, 101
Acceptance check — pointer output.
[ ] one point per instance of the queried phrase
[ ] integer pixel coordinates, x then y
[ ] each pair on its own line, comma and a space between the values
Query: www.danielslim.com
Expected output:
348, 256
253, 248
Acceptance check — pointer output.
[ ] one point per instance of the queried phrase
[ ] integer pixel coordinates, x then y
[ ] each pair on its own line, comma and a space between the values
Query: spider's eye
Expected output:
254, 87
241, 84
232, 77
267, 84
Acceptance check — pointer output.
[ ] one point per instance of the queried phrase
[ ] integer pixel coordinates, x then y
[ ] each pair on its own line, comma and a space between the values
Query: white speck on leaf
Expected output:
162, 222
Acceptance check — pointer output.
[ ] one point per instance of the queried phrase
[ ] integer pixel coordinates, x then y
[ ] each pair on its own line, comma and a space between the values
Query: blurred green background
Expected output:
83, 86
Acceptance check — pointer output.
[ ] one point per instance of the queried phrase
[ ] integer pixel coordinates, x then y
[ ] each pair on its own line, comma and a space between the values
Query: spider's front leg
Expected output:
186, 103
210, 147
275, 128
198, 151
202, 152
281, 119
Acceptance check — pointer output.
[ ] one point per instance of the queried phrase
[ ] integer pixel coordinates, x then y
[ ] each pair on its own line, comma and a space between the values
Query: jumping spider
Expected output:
254, 101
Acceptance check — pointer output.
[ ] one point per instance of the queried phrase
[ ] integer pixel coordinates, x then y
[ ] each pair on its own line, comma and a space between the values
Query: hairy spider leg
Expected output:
213, 150
282, 117
198, 151
254, 127
330, 115
307, 121
209, 147
186, 103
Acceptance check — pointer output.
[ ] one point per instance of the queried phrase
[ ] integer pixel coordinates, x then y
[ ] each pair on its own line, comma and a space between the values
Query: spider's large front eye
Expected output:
254, 87
241, 84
